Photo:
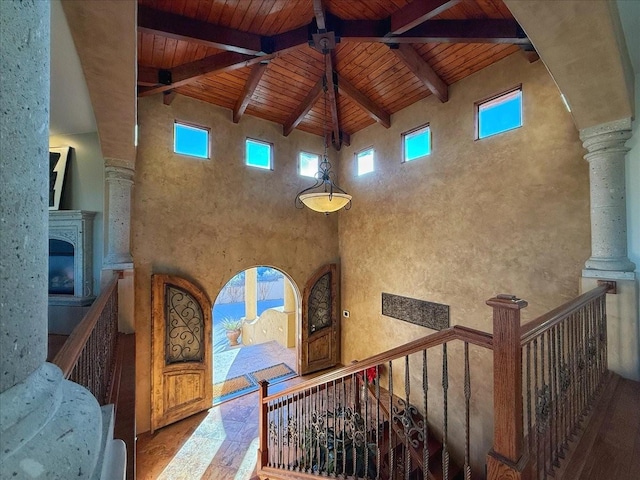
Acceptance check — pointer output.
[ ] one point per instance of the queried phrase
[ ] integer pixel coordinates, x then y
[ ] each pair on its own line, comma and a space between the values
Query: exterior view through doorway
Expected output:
255, 319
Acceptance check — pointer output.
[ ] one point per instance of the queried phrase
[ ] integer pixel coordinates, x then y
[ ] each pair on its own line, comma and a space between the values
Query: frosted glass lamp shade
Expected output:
324, 202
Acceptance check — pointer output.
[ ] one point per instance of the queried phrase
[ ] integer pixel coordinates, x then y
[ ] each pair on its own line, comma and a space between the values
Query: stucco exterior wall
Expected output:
506, 214
206, 220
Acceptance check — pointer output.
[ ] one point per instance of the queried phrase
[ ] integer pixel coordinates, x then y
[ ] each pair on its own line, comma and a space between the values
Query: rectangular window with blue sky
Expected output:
259, 154
499, 114
190, 140
308, 164
416, 143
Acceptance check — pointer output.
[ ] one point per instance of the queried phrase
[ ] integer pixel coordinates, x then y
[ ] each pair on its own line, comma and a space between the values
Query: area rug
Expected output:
233, 388
274, 374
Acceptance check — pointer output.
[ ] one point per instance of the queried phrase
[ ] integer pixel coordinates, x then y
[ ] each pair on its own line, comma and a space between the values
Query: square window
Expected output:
190, 140
308, 164
416, 143
259, 154
499, 113
365, 161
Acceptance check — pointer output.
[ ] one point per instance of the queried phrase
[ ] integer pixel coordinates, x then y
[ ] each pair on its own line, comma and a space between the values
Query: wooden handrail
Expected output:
68, 355
465, 334
544, 322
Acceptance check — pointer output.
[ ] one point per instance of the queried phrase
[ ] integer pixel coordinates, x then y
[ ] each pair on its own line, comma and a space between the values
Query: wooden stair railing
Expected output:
88, 356
336, 424
547, 375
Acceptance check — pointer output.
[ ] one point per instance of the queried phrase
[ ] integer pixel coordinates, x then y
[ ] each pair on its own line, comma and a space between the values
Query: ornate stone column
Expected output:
606, 146
609, 261
49, 427
119, 183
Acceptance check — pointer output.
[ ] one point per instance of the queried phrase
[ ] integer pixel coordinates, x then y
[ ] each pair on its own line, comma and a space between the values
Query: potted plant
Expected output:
233, 329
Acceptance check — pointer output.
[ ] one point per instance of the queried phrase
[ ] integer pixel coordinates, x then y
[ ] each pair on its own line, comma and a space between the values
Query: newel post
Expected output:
263, 427
507, 458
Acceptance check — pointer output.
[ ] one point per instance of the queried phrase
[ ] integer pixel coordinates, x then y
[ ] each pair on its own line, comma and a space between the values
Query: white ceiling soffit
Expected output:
70, 107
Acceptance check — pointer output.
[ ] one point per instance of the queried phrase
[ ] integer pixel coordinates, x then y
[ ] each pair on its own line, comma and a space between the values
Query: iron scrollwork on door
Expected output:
320, 304
184, 326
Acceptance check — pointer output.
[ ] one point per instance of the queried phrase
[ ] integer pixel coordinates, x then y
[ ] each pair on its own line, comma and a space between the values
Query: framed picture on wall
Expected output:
58, 158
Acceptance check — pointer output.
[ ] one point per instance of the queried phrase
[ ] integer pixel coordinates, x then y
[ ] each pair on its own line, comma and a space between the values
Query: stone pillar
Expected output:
291, 311
606, 146
609, 261
251, 294
119, 183
49, 427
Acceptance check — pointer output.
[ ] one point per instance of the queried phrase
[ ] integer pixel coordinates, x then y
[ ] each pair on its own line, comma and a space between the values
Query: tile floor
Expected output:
222, 442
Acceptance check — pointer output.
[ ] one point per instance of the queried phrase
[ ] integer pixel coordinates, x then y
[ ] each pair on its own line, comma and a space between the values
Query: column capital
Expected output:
117, 173
610, 136
606, 148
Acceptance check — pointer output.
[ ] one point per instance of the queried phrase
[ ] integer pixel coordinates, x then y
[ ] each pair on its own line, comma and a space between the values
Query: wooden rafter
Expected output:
331, 98
417, 12
189, 72
247, 92
373, 110
178, 27
435, 31
423, 71
168, 97
305, 106
318, 12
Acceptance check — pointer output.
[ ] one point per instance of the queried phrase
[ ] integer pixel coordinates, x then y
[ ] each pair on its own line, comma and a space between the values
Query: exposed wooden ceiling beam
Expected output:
374, 111
422, 70
247, 92
318, 12
305, 106
331, 97
148, 76
435, 31
196, 31
417, 12
189, 72
168, 97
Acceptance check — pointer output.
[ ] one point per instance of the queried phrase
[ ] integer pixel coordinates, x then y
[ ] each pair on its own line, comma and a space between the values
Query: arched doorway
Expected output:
255, 319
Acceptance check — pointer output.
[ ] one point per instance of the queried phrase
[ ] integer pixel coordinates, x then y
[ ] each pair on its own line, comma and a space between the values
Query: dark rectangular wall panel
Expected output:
420, 312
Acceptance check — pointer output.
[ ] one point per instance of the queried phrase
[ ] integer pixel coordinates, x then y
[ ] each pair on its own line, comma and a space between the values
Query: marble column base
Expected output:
49, 428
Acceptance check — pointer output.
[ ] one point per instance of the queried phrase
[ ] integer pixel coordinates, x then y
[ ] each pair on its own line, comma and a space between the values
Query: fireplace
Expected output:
70, 257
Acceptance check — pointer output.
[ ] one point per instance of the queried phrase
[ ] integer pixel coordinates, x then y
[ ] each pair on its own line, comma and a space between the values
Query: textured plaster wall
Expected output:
506, 214
206, 220
84, 188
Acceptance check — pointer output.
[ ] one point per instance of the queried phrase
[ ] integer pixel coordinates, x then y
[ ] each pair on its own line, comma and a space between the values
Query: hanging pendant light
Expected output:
325, 196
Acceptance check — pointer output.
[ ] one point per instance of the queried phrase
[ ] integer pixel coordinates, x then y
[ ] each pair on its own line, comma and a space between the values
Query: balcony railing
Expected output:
88, 356
373, 419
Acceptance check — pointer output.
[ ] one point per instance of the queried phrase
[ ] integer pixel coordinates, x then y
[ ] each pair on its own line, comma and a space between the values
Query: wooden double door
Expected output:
181, 343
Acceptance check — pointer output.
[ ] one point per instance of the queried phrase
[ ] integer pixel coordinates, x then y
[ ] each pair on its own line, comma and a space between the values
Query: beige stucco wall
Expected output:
507, 214
207, 220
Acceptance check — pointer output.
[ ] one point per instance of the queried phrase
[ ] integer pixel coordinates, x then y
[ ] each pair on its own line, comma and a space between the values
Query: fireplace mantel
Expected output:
75, 227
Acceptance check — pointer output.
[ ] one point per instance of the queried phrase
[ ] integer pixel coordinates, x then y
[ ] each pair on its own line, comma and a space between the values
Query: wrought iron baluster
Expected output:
342, 429
378, 422
445, 431
406, 423
334, 409
366, 428
467, 399
425, 425
537, 430
391, 447
528, 395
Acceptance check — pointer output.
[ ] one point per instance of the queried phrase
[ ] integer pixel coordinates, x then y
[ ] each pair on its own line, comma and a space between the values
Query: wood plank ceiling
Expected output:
273, 59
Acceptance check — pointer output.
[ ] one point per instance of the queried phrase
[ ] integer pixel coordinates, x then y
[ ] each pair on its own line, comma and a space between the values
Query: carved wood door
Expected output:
181, 366
320, 339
